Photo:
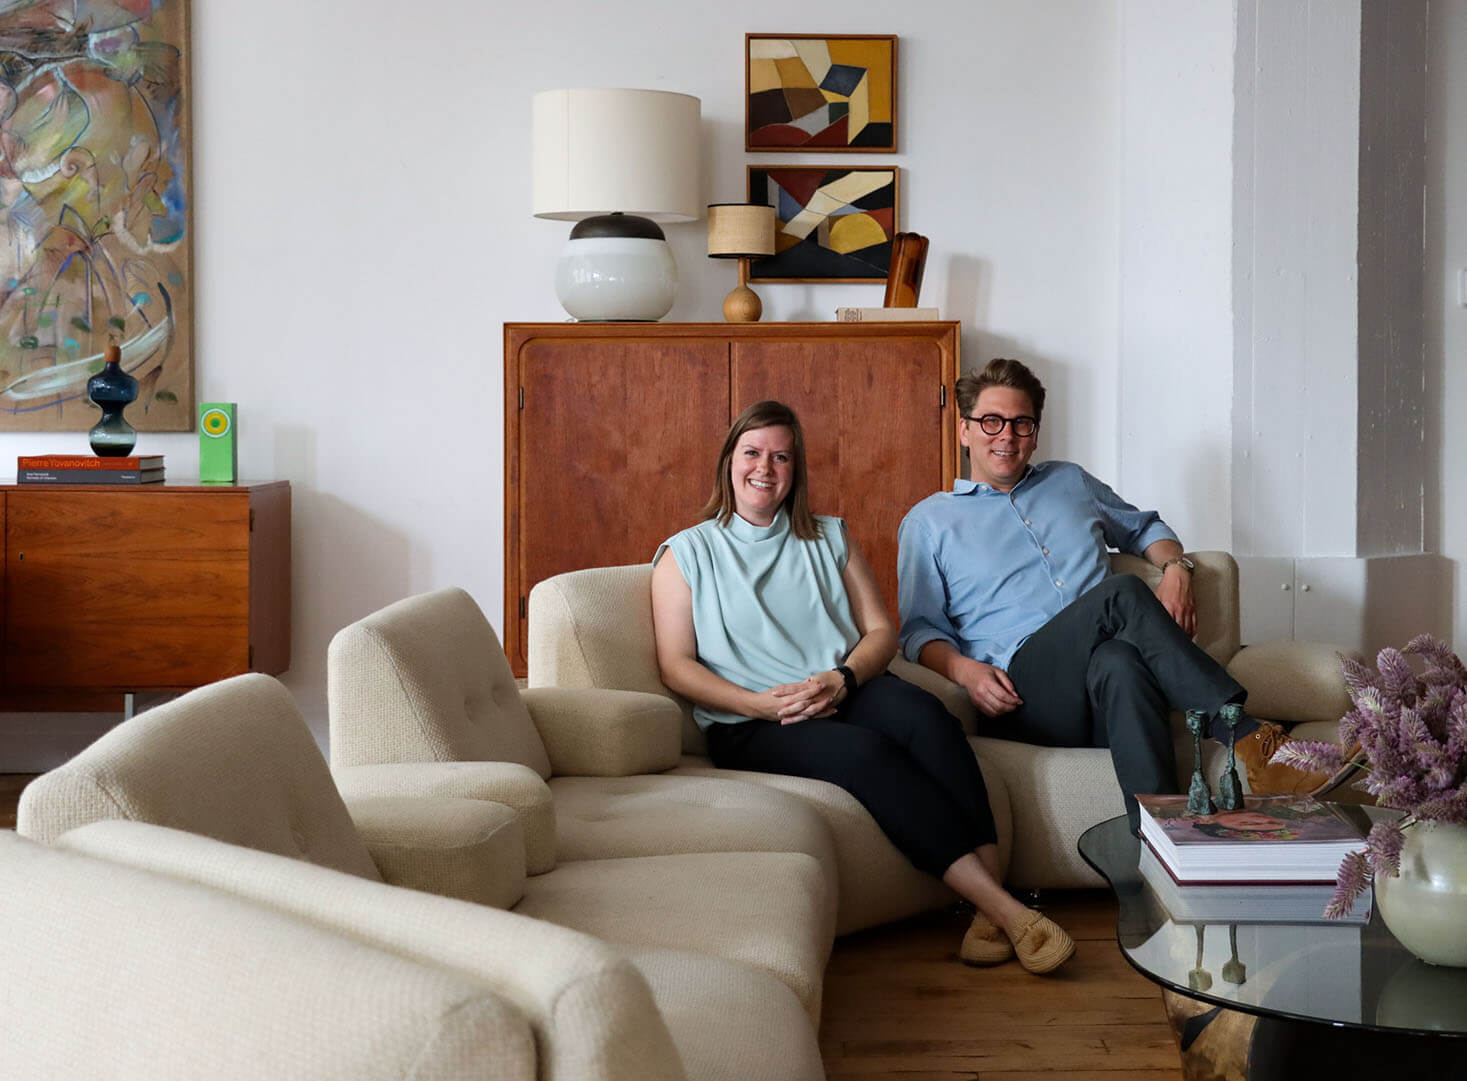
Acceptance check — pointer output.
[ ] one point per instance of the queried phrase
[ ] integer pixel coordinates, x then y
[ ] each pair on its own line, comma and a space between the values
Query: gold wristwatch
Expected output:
1186, 564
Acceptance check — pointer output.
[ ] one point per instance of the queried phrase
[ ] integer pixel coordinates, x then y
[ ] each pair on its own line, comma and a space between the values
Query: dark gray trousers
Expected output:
1106, 672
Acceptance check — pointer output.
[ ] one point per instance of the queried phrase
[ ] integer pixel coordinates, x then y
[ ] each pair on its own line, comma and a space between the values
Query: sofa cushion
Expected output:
425, 680
762, 909
611, 818
233, 761
115, 972
465, 848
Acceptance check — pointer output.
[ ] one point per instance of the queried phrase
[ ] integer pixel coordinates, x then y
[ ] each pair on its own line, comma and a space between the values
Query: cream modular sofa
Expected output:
593, 628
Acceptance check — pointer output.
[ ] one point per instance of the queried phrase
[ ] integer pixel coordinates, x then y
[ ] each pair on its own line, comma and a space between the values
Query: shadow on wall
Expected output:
345, 564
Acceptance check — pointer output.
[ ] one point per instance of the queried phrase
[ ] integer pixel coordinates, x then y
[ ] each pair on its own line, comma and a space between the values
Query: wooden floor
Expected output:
899, 1004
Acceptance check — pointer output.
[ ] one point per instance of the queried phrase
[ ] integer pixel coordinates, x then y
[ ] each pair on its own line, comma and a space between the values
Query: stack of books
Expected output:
1272, 839
88, 469
885, 315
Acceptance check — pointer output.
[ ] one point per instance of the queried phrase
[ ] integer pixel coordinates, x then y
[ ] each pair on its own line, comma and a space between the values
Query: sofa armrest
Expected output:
591, 732
1293, 681
592, 1013
470, 849
508, 783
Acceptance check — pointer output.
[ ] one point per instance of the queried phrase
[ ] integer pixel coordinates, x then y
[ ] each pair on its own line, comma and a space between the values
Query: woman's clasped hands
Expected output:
815, 696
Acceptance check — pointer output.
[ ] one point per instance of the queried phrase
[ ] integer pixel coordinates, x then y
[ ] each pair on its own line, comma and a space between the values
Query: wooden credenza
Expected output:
113, 589
612, 432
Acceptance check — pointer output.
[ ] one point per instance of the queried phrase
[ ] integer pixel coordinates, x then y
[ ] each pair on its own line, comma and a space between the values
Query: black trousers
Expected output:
1106, 672
897, 750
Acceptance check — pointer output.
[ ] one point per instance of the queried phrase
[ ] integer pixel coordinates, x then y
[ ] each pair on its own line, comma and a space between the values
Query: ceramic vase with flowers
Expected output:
1411, 732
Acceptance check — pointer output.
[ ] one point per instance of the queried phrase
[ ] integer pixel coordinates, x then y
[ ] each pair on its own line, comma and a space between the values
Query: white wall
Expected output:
1446, 324
362, 231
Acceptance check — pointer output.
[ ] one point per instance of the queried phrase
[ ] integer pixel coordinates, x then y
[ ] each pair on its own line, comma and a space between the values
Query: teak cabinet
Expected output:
612, 432
158, 587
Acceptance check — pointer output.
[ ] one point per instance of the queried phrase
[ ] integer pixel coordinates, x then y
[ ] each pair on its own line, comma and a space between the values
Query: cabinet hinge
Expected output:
252, 519
942, 395
522, 608
522, 397
250, 659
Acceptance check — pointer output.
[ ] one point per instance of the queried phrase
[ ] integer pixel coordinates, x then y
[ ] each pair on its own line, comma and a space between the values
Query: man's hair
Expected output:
765, 414
1000, 372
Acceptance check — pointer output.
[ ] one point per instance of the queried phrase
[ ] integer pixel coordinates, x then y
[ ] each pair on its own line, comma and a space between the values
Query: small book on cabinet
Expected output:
1271, 839
885, 315
53, 462
90, 476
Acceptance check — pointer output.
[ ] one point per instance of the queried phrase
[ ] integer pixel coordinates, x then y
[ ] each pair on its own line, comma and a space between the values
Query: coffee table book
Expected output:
135, 463
90, 476
1244, 902
1272, 839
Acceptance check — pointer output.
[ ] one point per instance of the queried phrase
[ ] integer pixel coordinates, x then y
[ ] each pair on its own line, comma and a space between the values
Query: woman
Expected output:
768, 618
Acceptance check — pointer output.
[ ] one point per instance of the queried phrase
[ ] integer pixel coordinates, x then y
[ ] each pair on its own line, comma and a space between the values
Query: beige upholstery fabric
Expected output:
115, 973
509, 783
762, 909
593, 628
233, 760
591, 1011
425, 680
590, 732
1293, 681
464, 848
730, 1023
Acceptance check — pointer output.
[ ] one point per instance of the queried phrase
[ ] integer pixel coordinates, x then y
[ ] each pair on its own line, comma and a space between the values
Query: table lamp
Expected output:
617, 162
741, 231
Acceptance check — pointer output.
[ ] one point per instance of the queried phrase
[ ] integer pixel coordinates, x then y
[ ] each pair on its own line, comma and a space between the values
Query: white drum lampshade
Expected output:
617, 162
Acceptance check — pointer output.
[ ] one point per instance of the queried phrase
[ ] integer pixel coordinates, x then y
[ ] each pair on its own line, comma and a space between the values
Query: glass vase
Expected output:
112, 390
1425, 906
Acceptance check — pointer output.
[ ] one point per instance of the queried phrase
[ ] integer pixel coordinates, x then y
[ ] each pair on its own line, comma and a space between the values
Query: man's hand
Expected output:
812, 697
989, 688
1175, 594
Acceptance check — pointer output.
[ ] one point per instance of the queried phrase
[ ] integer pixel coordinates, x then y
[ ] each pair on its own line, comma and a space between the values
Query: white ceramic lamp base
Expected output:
608, 278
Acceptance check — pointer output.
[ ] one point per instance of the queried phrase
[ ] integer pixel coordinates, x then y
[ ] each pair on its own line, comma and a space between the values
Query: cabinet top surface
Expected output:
186, 484
736, 330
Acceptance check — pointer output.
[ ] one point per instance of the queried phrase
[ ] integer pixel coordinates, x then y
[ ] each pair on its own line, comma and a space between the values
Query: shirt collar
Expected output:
962, 486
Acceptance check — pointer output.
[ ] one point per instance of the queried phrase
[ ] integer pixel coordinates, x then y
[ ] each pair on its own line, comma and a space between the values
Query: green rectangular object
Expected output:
218, 451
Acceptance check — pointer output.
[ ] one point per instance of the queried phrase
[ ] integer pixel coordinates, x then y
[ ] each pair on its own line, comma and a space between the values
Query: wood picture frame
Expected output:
833, 223
100, 232
820, 93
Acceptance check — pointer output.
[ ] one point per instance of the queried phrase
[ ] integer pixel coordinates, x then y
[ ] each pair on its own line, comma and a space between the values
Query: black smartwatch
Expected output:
849, 677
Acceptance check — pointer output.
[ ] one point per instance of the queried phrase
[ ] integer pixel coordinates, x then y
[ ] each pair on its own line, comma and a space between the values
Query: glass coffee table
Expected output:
1262, 999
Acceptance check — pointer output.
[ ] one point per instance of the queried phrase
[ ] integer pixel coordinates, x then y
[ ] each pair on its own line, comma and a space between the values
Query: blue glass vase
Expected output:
112, 389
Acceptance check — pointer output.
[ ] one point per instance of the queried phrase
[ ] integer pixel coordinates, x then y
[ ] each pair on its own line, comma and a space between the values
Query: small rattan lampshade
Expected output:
741, 231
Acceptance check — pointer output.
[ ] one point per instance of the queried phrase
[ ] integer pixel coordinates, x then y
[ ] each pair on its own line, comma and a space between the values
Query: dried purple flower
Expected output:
1412, 731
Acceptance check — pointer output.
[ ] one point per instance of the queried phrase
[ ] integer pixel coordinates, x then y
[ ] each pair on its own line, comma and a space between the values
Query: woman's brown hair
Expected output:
765, 414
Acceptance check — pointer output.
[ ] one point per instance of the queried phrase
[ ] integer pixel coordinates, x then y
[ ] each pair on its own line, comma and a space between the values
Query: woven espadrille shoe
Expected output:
1042, 944
985, 944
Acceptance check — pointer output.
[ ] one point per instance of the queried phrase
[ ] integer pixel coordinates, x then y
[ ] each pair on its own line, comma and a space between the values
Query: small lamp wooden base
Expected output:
742, 305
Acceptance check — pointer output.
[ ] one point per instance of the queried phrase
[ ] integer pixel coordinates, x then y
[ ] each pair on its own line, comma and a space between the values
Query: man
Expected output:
1005, 588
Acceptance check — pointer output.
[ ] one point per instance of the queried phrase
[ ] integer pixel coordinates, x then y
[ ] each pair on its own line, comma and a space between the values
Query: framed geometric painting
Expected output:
820, 92
833, 223
96, 220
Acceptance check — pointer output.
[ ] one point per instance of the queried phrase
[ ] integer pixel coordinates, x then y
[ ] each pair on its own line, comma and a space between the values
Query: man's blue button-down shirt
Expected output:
984, 569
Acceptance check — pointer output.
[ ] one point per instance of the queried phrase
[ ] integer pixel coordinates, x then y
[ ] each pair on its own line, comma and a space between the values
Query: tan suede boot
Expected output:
1264, 779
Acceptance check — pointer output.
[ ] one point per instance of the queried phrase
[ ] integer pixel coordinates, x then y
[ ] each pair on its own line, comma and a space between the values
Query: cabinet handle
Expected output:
21, 557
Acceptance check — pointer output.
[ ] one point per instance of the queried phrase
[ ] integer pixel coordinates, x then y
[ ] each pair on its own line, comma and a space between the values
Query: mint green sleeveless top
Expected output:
768, 608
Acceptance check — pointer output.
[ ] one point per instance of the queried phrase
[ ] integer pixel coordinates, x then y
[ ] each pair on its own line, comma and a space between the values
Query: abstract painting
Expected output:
832, 223
829, 92
94, 209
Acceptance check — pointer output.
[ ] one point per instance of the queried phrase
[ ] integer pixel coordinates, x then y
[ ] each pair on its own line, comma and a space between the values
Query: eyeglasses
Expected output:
993, 424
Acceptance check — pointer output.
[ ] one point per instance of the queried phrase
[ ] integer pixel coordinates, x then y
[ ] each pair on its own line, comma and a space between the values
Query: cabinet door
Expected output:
874, 415
126, 591
616, 443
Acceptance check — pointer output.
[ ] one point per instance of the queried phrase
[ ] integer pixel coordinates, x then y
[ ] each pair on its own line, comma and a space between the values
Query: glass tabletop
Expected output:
1352, 974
